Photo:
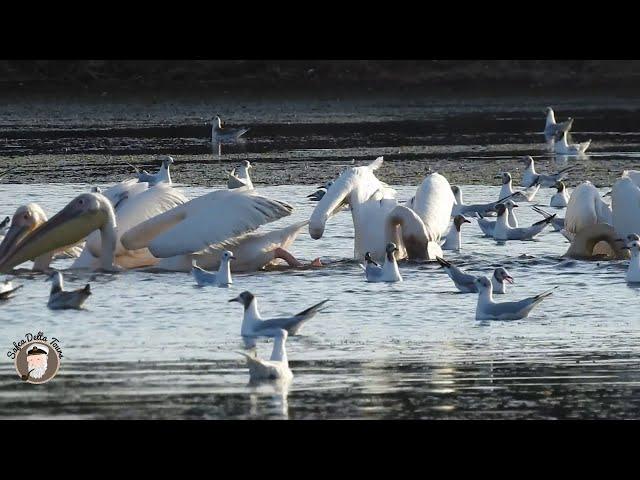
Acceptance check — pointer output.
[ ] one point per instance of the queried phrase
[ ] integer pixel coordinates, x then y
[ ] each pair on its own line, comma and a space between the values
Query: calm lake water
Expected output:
153, 345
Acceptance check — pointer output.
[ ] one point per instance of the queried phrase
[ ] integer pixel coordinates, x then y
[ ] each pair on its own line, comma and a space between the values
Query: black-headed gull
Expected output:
530, 177
59, 299
386, 273
253, 325
507, 191
562, 146
241, 178
487, 309
221, 278
453, 240
221, 133
465, 282
560, 199
162, 176
461, 208
277, 367
7, 289
633, 271
488, 226
556, 223
503, 231
551, 127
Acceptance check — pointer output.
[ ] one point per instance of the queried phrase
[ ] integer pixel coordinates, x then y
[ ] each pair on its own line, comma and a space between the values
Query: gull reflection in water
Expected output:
274, 394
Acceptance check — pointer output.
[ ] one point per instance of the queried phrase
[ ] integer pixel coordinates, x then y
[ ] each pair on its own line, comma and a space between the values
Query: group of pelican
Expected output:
145, 222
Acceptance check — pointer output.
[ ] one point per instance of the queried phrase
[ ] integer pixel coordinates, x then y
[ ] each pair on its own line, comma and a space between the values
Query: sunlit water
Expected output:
154, 345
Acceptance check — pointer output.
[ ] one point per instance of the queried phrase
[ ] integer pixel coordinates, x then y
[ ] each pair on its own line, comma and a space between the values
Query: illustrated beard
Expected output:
38, 372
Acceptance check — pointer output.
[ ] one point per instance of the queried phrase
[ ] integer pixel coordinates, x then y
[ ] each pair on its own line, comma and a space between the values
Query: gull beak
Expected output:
509, 279
237, 299
65, 228
464, 220
232, 257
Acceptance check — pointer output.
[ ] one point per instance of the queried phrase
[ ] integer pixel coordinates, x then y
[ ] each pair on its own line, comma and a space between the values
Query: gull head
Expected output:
227, 256
505, 177
559, 186
510, 204
390, 249
482, 283
528, 160
634, 246
501, 209
5, 222
247, 164
166, 161
245, 298
458, 220
502, 275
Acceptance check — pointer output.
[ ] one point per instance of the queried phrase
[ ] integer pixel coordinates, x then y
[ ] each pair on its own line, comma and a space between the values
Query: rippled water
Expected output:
155, 346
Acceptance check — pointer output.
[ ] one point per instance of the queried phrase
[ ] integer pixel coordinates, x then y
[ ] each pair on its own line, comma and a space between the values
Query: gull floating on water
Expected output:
487, 309
488, 226
221, 133
162, 176
60, 299
552, 128
453, 240
253, 325
7, 289
465, 282
388, 272
241, 178
561, 145
277, 367
560, 199
530, 177
503, 231
220, 278
633, 271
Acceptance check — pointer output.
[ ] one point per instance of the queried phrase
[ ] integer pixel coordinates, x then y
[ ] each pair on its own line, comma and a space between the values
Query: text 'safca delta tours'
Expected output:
37, 359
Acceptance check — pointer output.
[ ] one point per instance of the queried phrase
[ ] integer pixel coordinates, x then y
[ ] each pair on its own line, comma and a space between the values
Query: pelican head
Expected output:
502, 275
25, 220
354, 186
245, 298
81, 216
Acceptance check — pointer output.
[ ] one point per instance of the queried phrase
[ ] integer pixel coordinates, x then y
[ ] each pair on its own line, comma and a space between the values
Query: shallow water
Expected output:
156, 346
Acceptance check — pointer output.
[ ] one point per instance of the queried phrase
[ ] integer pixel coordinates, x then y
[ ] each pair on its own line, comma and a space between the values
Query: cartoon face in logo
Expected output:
37, 362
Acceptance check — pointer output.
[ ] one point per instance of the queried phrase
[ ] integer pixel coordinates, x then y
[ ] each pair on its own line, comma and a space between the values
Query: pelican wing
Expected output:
625, 202
203, 221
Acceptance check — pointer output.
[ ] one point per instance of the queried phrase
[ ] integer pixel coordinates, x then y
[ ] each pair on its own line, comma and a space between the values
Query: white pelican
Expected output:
388, 272
27, 219
221, 278
277, 367
253, 325
377, 217
562, 147
241, 178
551, 127
453, 240
59, 299
585, 208
465, 282
487, 309
221, 133
560, 199
162, 176
530, 177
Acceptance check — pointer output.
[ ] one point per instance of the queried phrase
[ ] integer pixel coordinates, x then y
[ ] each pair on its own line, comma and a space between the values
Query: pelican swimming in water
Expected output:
530, 177
59, 299
221, 278
465, 282
487, 309
378, 218
551, 127
560, 199
277, 367
241, 178
221, 133
585, 208
488, 226
453, 240
27, 219
561, 146
386, 273
162, 176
